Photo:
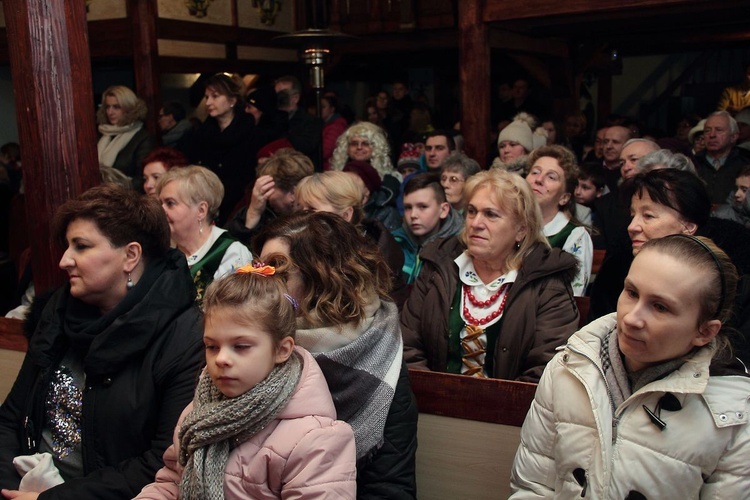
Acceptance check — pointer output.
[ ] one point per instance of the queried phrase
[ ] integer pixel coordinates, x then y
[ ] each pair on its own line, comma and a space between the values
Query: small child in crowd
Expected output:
591, 185
738, 208
262, 423
427, 216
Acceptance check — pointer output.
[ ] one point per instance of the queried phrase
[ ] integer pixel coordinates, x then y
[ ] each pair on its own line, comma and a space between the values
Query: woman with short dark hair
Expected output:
113, 355
223, 143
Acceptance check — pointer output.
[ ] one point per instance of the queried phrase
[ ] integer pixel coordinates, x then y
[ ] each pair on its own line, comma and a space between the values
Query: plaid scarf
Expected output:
361, 364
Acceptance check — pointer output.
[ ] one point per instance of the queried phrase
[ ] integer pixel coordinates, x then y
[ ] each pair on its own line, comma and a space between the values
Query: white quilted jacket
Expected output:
574, 442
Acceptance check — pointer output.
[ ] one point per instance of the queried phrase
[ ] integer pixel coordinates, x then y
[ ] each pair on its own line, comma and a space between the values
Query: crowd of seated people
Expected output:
373, 246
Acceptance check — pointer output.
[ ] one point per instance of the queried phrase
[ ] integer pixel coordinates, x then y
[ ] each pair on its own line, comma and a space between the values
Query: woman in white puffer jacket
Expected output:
627, 409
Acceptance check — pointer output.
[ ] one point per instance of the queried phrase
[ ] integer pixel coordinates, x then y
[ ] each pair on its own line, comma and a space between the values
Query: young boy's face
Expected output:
586, 192
423, 212
740, 194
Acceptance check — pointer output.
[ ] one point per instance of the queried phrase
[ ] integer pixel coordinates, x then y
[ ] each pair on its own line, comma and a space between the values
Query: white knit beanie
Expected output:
540, 137
518, 131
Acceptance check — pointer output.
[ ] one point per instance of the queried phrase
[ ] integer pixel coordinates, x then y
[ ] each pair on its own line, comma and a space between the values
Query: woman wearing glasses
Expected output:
362, 148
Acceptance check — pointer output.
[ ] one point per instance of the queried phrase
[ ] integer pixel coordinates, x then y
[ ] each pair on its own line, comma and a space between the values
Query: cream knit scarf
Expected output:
217, 424
114, 139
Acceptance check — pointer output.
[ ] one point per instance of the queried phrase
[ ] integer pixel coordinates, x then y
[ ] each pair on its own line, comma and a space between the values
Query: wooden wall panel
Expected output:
501, 10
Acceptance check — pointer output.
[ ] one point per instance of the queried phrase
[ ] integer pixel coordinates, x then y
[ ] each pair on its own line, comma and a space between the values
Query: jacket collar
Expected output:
726, 396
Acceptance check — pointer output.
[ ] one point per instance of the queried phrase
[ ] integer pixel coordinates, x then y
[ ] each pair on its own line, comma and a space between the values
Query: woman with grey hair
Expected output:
191, 197
454, 172
664, 158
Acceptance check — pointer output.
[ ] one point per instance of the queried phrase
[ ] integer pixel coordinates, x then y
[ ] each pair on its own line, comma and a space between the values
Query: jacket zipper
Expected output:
28, 428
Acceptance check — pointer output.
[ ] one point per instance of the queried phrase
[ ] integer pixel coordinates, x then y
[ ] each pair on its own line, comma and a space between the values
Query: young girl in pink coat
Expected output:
262, 423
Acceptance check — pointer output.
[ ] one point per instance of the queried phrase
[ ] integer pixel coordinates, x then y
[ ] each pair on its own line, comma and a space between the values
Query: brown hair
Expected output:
227, 86
426, 180
567, 161
121, 215
287, 167
340, 268
720, 287
256, 301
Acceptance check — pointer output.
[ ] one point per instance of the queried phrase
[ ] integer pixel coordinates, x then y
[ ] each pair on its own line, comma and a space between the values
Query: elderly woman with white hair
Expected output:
364, 141
664, 158
124, 141
365, 145
191, 197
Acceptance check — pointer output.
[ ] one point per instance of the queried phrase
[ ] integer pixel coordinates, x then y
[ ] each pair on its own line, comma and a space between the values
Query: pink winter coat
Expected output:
304, 453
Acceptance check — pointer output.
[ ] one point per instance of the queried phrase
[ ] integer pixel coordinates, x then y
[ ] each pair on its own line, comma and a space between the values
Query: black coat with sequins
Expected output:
140, 371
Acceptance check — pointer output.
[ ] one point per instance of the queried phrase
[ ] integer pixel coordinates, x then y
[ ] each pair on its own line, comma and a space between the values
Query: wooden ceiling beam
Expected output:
504, 11
516, 42
199, 65
401, 42
172, 29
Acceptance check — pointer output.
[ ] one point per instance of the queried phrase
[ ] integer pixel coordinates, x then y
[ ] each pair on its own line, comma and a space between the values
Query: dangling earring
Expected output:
129, 285
200, 226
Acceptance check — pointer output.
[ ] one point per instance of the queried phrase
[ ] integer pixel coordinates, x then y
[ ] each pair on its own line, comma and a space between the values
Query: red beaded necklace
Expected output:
486, 303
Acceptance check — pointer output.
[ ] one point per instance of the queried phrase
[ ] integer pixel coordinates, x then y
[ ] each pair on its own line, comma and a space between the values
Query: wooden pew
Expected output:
12, 350
469, 430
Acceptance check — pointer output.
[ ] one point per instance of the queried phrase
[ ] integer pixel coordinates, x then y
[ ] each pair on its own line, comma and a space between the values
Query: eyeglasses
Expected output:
357, 144
453, 179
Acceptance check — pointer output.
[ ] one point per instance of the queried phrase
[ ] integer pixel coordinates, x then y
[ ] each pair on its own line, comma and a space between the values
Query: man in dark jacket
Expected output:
305, 131
720, 163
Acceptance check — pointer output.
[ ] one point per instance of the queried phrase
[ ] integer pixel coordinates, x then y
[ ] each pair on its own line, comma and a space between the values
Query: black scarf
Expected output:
82, 322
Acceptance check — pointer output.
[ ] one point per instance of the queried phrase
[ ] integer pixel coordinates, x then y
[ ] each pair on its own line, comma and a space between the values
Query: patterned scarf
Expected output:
361, 365
217, 424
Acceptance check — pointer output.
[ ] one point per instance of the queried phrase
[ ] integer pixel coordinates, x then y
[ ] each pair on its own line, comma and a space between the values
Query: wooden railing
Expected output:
11, 335
12, 351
